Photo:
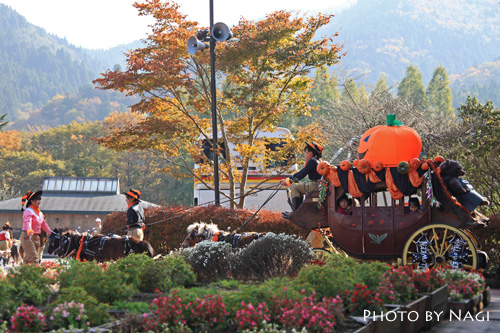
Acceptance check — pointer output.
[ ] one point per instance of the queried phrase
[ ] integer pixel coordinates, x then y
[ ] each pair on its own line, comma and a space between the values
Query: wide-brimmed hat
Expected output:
31, 196
135, 194
314, 146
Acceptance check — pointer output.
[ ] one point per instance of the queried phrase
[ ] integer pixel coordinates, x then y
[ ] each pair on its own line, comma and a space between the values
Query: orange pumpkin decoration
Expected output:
425, 166
345, 165
414, 163
390, 143
355, 163
323, 168
378, 166
364, 166
439, 159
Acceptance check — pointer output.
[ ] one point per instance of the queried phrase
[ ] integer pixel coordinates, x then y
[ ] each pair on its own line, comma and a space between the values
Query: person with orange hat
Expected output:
312, 154
33, 223
135, 214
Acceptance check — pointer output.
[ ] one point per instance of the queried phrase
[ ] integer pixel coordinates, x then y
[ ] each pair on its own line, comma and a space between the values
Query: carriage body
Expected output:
380, 227
376, 228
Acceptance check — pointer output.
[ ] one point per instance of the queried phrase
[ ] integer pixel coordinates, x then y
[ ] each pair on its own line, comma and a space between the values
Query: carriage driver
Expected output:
135, 214
33, 223
312, 154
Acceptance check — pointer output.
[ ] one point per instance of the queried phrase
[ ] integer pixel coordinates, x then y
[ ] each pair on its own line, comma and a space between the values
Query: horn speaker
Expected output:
221, 32
193, 45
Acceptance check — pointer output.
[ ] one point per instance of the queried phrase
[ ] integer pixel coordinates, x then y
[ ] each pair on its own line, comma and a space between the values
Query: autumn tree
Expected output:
439, 95
346, 121
75, 145
412, 87
142, 170
264, 68
475, 146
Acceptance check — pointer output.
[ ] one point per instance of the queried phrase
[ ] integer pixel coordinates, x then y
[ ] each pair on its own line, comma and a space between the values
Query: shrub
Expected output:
170, 311
136, 307
106, 286
371, 273
96, 312
166, 273
261, 293
463, 284
397, 285
428, 280
9, 304
69, 315
28, 319
250, 317
272, 256
207, 314
361, 298
314, 316
167, 236
28, 284
210, 260
155, 277
132, 267
327, 280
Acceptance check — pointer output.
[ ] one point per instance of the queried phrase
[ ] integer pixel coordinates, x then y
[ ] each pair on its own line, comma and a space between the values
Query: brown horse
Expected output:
198, 232
98, 247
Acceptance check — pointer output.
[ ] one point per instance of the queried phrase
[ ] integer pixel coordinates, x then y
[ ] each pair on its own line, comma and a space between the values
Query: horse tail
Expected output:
146, 247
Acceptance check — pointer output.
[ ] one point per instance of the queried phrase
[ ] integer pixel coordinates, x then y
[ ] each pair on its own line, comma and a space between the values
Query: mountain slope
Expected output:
35, 66
385, 36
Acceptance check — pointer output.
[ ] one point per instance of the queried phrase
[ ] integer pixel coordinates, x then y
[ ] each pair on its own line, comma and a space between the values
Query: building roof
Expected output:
76, 195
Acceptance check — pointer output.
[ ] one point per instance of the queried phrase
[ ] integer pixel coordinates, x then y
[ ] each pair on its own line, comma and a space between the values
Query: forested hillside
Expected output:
385, 36
41, 75
35, 66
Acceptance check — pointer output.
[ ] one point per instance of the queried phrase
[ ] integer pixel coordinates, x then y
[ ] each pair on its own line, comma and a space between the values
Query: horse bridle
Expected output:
65, 245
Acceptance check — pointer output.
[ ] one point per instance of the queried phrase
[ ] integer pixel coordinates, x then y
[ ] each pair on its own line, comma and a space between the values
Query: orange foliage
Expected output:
267, 65
166, 226
11, 140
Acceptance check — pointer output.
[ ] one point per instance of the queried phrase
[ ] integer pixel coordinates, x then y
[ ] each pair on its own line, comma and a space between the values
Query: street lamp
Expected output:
219, 32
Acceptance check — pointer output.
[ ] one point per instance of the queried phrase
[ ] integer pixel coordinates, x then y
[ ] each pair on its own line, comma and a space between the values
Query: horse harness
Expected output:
220, 237
83, 246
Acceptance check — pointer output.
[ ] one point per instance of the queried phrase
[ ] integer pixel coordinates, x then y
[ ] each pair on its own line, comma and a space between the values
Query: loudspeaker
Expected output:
193, 45
221, 32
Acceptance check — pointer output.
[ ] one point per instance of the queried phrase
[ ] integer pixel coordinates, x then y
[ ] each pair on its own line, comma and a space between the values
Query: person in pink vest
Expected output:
33, 223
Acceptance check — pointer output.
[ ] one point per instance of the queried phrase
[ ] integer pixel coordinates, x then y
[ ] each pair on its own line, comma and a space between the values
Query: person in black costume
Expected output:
312, 154
135, 214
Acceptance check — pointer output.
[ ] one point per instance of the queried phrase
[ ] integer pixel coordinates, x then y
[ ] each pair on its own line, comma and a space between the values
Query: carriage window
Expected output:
379, 199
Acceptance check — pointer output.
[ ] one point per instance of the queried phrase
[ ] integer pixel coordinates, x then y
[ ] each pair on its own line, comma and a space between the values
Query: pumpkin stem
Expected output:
392, 121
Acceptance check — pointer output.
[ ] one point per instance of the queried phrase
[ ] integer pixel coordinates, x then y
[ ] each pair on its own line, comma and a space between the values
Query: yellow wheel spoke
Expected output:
444, 239
440, 245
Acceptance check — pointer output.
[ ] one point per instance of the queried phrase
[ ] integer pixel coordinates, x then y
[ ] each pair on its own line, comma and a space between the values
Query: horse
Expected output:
198, 232
82, 246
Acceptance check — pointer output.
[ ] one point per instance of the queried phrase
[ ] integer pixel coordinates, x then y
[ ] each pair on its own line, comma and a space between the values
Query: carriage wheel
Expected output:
440, 245
473, 238
322, 255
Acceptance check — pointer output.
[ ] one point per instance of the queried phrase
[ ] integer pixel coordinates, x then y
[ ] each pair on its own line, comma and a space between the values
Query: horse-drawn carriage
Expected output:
380, 225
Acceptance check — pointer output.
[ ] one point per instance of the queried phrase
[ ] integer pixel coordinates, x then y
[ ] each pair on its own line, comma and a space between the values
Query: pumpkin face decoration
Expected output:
390, 144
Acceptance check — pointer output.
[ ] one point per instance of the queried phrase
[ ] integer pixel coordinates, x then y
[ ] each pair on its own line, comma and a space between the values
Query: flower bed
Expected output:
319, 299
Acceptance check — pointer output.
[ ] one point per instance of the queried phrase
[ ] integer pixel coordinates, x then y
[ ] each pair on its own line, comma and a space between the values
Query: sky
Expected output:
102, 24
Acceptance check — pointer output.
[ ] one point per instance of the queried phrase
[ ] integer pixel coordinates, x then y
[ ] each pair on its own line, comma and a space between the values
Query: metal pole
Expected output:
214, 108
